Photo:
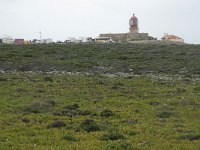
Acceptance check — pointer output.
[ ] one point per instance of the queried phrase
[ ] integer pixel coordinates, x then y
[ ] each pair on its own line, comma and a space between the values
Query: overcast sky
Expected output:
59, 19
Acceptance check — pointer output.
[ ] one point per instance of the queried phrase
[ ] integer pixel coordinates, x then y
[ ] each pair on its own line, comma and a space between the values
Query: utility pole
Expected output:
40, 35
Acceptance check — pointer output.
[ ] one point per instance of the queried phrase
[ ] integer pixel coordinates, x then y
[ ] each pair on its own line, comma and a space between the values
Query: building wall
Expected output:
19, 41
172, 38
26, 42
7, 40
180, 40
128, 37
116, 37
86, 39
133, 30
101, 41
175, 40
46, 41
138, 36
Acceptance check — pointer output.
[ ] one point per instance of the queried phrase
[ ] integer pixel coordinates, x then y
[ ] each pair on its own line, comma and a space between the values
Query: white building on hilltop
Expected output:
46, 41
7, 40
86, 39
172, 38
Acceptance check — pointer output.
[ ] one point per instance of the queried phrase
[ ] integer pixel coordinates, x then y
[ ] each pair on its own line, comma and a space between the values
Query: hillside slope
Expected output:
100, 97
103, 58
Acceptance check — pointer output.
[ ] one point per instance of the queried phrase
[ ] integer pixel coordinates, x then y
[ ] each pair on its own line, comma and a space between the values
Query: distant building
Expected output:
103, 40
79, 40
26, 42
86, 39
133, 34
59, 42
46, 41
72, 39
19, 41
42, 41
67, 41
0, 41
34, 41
172, 38
8, 40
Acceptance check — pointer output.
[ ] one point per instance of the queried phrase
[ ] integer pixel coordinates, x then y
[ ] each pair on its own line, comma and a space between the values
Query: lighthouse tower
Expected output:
133, 22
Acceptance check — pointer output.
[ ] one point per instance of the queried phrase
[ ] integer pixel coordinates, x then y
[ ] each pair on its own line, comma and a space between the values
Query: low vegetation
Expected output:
57, 124
102, 58
107, 113
112, 136
89, 104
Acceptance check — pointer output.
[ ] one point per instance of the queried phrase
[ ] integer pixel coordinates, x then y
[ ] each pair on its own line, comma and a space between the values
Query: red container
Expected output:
19, 41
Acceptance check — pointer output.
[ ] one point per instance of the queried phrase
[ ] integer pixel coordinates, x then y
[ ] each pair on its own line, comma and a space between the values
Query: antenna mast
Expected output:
40, 35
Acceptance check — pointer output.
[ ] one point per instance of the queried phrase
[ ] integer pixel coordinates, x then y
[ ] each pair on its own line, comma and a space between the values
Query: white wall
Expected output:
7, 40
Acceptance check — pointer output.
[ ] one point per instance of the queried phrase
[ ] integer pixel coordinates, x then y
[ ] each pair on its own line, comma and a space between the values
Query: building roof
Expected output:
170, 37
134, 17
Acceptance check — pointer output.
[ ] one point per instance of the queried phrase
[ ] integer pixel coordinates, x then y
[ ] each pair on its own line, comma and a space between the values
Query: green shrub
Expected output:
50, 79
154, 103
3, 79
101, 82
69, 110
40, 107
106, 113
84, 112
66, 112
120, 146
70, 138
133, 133
72, 106
90, 125
187, 102
3, 140
27, 55
25, 120
72, 110
197, 89
165, 114
25, 67
194, 137
57, 124
117, 85
112, 136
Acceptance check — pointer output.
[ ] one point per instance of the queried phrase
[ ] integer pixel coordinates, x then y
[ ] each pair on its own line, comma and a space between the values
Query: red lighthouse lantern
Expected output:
133, 22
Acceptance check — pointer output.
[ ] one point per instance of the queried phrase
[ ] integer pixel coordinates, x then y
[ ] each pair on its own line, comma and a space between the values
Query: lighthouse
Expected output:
132, 35
133, 22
